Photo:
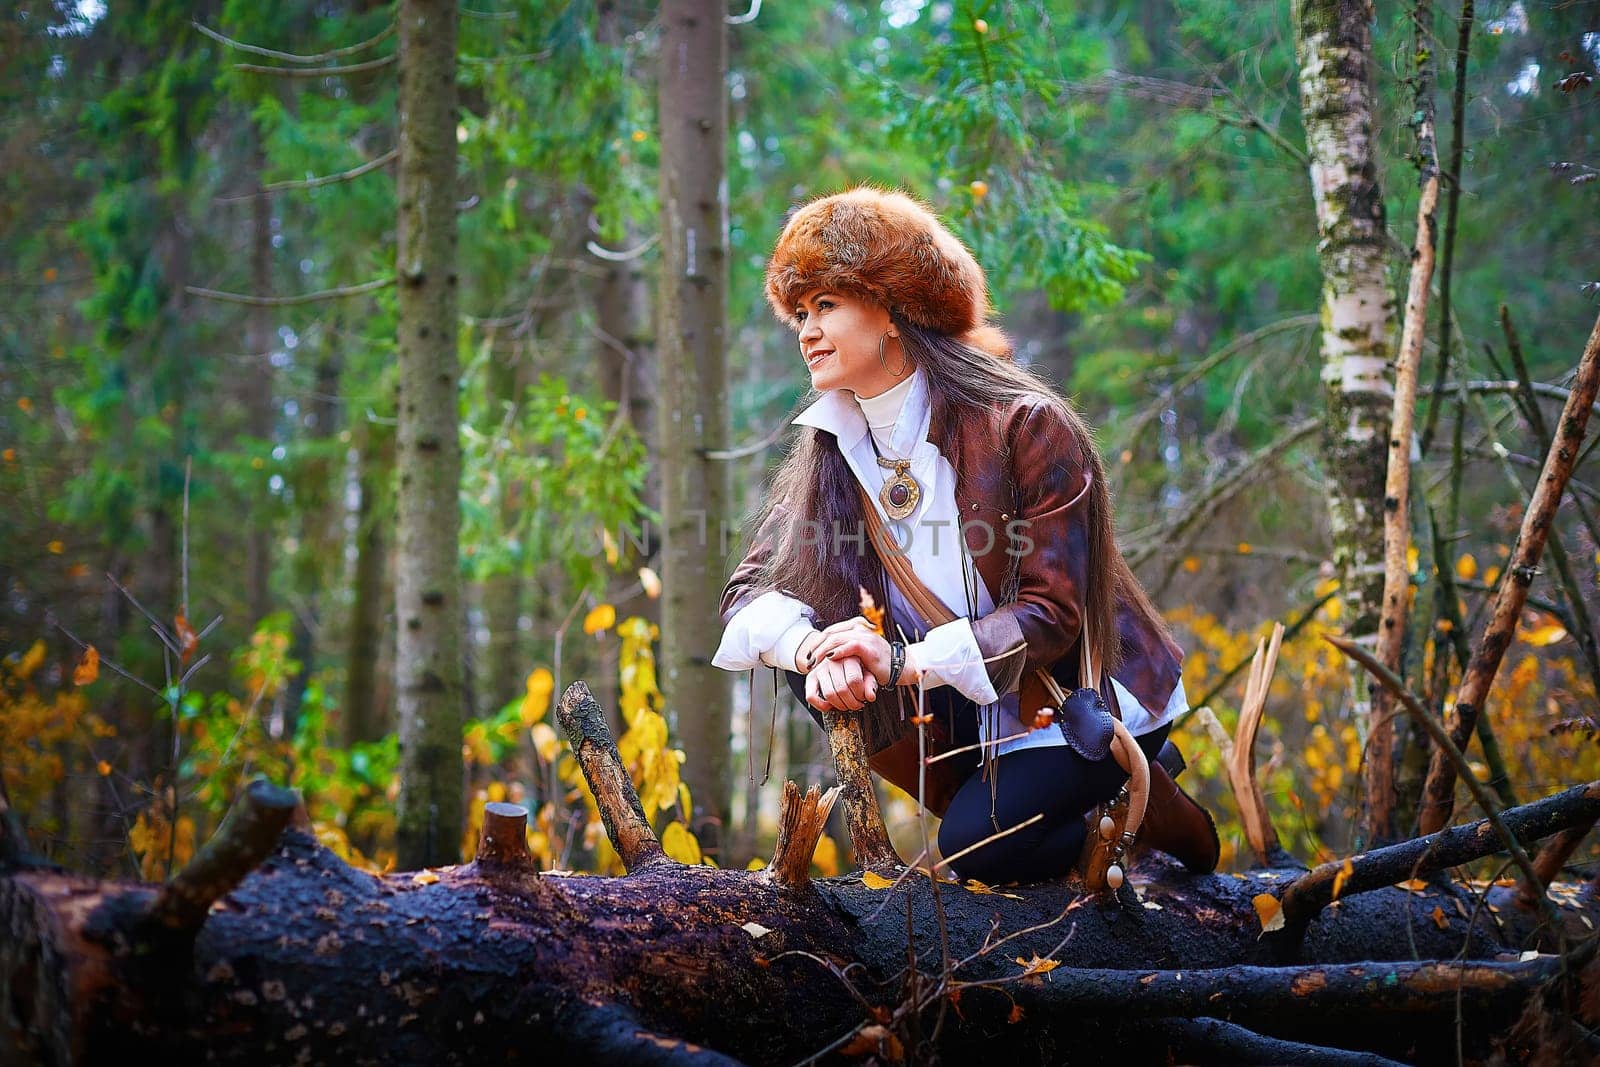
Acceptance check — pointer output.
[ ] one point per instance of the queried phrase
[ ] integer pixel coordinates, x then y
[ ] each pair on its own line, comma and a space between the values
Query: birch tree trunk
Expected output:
428, 450
1334, 46
693, 413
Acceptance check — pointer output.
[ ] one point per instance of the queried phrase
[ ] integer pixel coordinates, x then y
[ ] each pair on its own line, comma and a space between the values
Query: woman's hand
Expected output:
808, 655
860, 643
840, 684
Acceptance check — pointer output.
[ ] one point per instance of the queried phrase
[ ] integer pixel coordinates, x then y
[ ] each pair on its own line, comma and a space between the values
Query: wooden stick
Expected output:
620, 810
1379, 792
800, 825
503, 842
1438, 802
247, 835
869, 840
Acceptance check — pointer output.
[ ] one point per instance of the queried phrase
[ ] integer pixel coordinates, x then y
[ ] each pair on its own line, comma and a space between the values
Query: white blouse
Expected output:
770, 629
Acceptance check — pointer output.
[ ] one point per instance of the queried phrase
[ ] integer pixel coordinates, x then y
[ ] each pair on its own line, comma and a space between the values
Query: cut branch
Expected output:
620, 810
1311, 892
800, 826
251, 829
1439, 790
503, 842
289, 301
869, 840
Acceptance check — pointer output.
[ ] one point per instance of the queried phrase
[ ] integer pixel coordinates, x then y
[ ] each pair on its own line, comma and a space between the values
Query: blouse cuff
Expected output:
949, 655
763, 628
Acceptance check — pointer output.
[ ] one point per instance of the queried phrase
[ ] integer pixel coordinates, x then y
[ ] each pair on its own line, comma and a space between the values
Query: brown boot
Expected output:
1177, 825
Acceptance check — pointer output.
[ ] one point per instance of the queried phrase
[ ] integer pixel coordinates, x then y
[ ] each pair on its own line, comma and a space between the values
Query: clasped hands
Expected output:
846, 664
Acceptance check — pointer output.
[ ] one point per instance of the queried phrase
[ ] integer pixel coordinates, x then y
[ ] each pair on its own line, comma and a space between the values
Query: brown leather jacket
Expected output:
1024, 473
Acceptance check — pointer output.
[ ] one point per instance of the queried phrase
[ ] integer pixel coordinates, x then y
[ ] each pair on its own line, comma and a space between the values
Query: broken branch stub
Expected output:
1247, 792
620, 810
503, 842
245, 838
800, 825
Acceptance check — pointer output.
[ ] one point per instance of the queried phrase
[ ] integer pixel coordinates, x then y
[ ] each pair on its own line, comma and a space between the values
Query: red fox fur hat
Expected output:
890, 248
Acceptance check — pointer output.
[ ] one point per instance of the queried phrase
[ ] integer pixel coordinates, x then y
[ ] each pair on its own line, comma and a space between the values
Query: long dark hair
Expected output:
966, 386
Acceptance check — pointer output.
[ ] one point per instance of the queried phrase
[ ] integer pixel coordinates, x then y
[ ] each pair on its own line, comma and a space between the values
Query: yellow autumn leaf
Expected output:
424, 878
679, 844
603, 617
1037, 965
650, 581
609, 543
1542, 636
541, 683
1438, 918
1412, 885
1342, 877
1245, 548
1269, 910
826, 857
1412, 556
545, 741
874, 880
1191, 564
975, 886
31, 661
1466, 566
756, 864
88, 668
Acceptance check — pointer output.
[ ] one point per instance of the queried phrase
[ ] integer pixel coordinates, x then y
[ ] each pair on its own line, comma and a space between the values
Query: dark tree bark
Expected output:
692, 416
429, 689
309, 960
365, 717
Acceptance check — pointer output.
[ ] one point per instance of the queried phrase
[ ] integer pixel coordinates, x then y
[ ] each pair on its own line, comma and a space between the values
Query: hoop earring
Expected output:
905, 360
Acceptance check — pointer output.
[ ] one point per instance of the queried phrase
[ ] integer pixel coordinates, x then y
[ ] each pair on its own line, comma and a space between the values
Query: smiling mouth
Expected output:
812, 361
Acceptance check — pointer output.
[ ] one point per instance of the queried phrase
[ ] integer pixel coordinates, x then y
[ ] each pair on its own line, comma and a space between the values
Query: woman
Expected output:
989, 485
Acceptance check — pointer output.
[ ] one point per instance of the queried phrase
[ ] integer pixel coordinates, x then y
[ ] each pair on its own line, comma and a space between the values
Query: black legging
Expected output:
1055, 782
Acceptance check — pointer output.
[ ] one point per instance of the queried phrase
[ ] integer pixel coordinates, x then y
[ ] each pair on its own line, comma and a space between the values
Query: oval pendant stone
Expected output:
899, 494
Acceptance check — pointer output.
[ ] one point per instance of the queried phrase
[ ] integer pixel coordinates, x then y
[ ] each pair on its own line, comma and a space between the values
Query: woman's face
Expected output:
839, 335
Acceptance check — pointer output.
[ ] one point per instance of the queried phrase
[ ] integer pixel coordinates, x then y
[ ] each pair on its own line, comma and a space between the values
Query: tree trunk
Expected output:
364, 715
428, 513
693, 414
1334, 46
259, 403
309, 960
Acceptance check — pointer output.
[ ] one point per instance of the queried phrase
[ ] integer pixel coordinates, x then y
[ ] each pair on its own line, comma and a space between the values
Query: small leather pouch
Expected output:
1086, 723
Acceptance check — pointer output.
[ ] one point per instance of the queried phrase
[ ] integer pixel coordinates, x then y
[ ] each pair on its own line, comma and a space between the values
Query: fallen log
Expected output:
309, 960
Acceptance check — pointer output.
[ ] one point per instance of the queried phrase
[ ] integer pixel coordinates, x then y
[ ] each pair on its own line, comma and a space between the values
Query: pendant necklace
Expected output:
900, 493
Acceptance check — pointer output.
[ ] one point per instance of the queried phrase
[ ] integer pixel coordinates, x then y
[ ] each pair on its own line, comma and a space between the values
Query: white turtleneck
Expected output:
883, 411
